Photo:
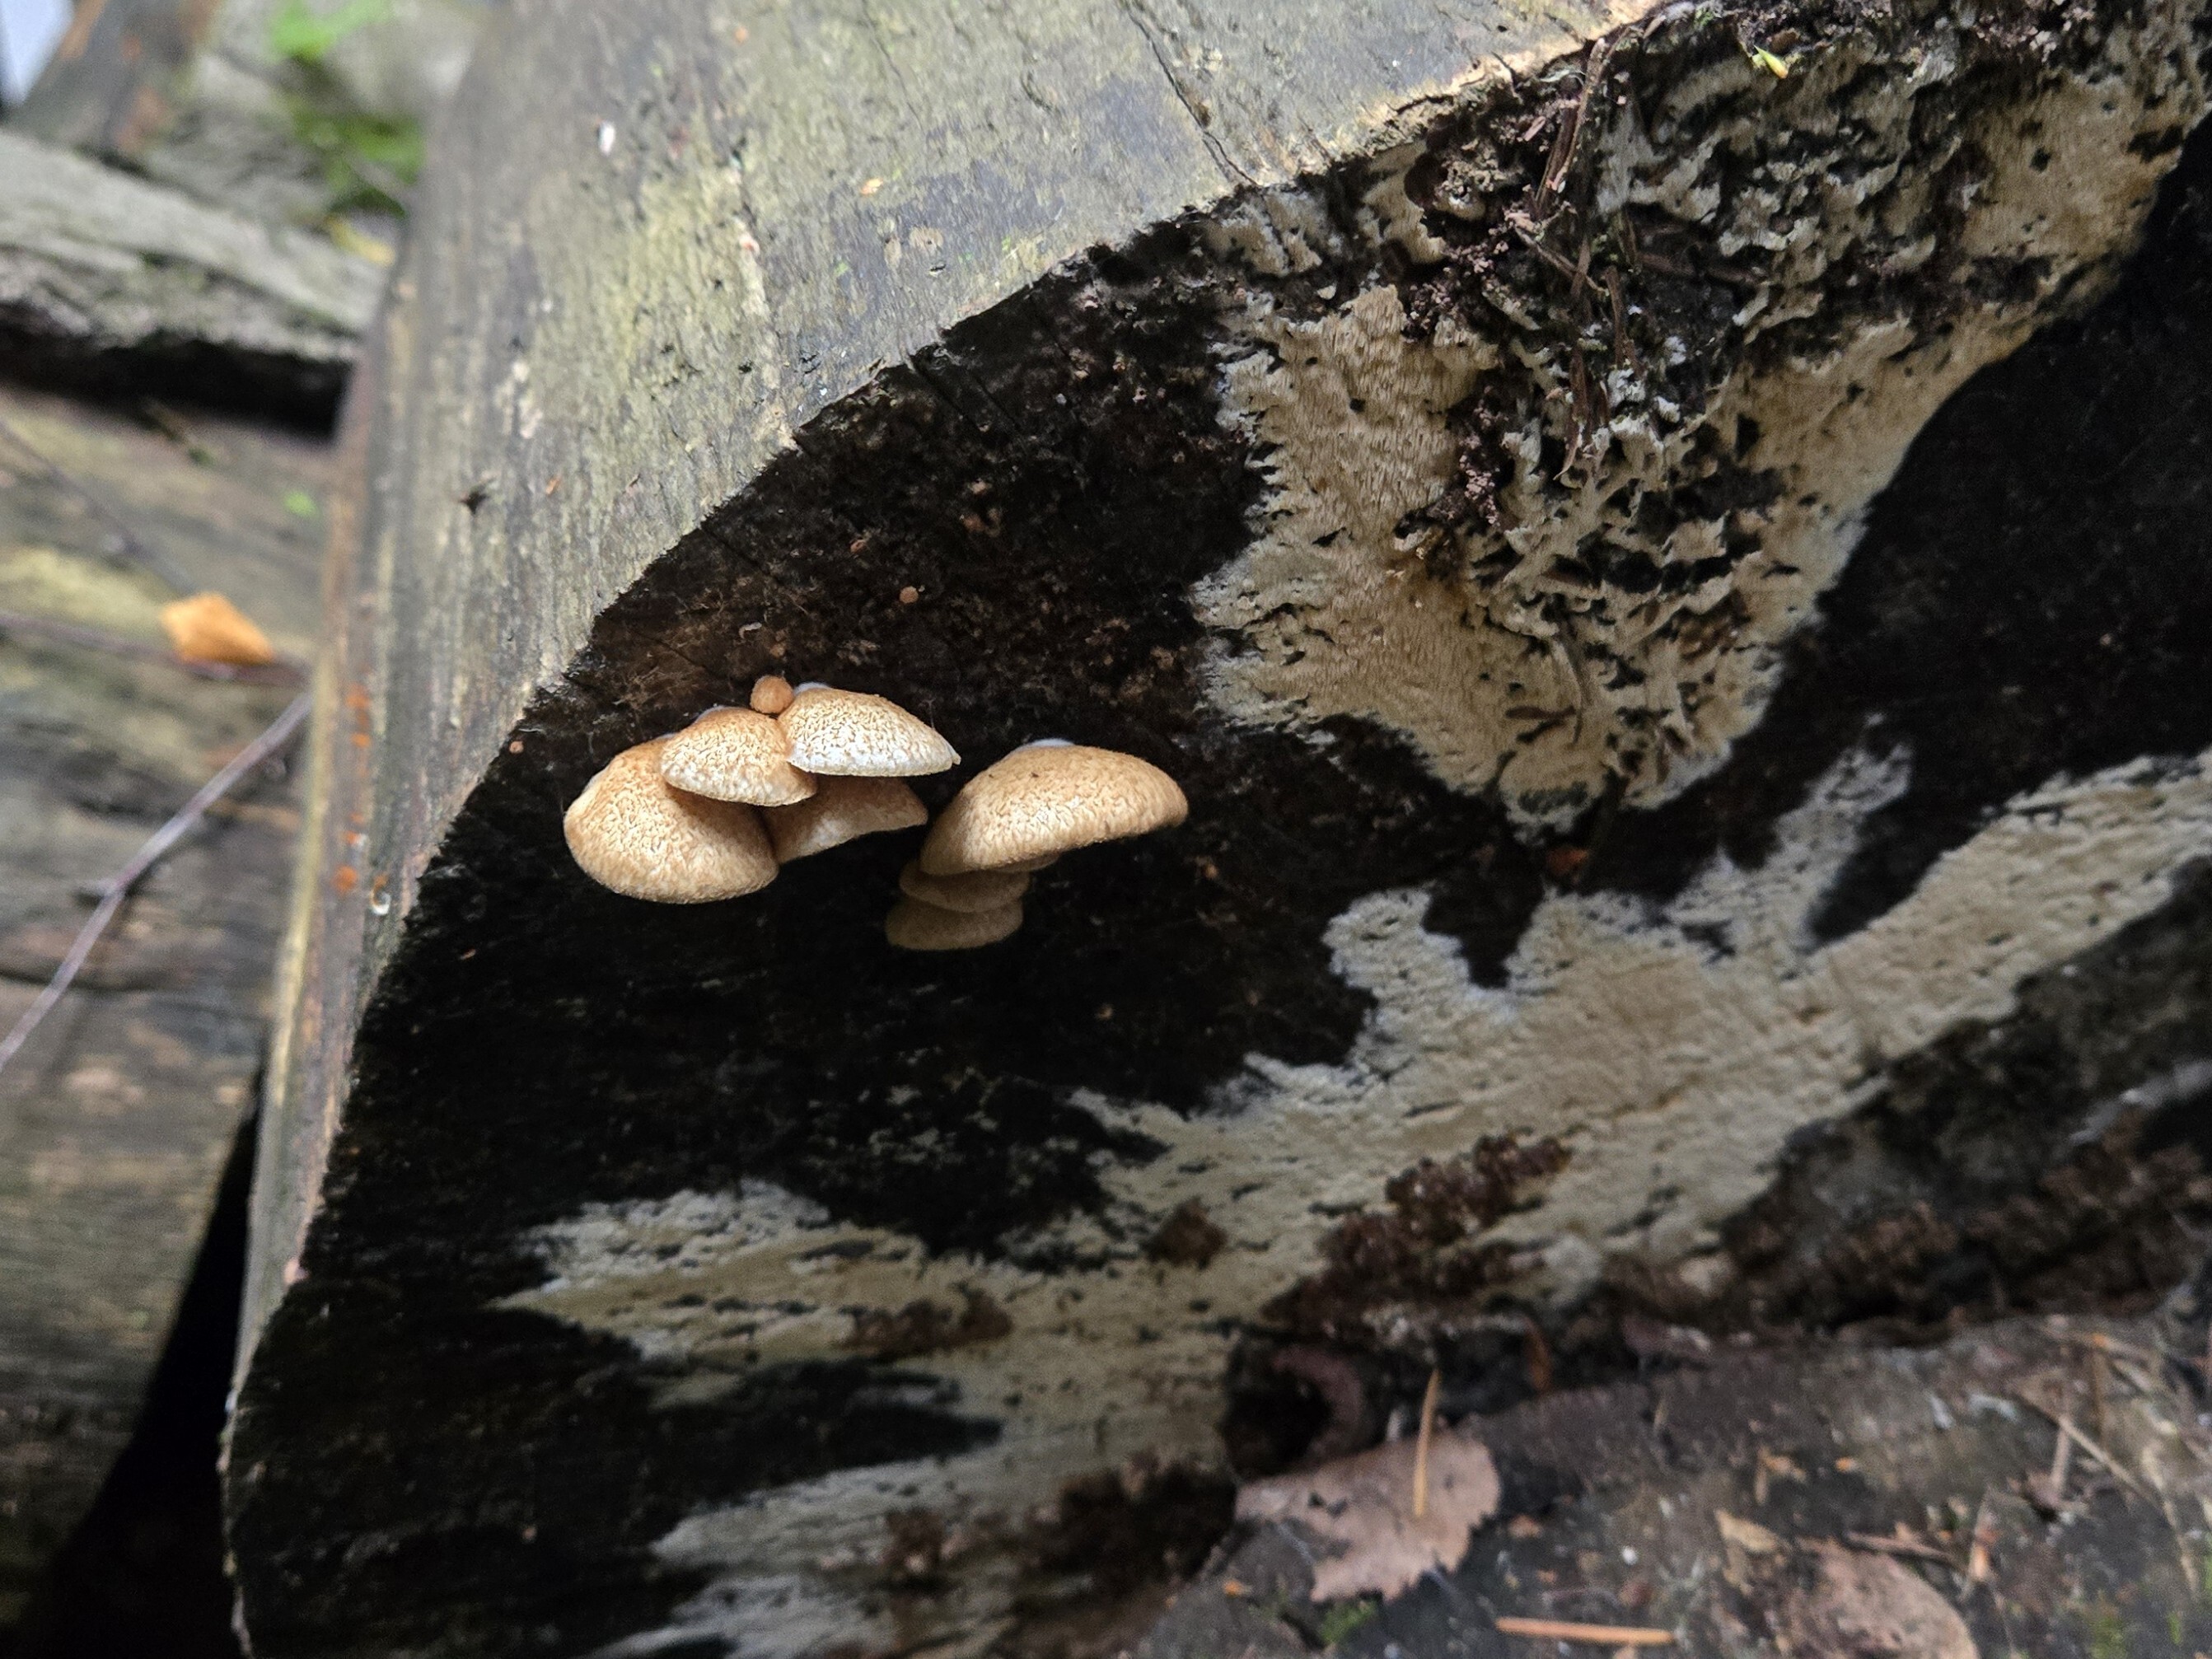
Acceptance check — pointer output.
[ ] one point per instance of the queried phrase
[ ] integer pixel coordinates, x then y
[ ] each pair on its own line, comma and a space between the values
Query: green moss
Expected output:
2107, 1632
304, 35
1341, 1620
369, 159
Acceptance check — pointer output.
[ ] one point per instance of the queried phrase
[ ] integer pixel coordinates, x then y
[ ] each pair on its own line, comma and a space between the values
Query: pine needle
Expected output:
1421, 1446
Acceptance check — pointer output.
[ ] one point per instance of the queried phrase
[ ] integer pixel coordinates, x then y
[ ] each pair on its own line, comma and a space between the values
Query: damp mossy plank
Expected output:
118, 1116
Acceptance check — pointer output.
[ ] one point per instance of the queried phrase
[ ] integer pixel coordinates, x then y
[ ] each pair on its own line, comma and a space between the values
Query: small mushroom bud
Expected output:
842, 809
913, 926
853, 734
1048, 799
734, 754
771, 695
631, 831
986, 889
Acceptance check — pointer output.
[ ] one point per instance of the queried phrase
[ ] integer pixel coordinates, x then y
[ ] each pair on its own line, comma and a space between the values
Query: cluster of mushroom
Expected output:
713, 811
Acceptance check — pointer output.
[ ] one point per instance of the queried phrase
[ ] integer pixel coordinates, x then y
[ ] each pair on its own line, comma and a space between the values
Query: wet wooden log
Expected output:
118, 1116
109, 283
1677, 840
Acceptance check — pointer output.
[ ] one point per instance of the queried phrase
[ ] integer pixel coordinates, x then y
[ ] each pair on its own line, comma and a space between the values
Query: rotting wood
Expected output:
697, 375
112, 281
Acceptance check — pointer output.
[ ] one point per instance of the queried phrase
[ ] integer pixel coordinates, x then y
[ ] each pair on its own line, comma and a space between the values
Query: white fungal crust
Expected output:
853, 734
978, 890
913, 926
630, 831
842, 810
1046, 799
1619, 626
734, 754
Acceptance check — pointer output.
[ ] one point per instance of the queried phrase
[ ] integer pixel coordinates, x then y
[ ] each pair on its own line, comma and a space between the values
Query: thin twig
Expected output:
2066, 1433
1561, 1630
1869, 1541
148, 554
117, 887
283, 672
1421, 1445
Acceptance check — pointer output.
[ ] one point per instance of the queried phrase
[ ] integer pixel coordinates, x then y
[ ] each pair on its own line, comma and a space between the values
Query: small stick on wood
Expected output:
1613, 1636
2069, 1434
117, 887
1421, 1445
2100, 1369
1868, 1541
148, 554
2104, 1457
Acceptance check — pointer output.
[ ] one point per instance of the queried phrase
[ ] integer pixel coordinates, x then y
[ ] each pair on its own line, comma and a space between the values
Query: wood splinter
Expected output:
1563, 1630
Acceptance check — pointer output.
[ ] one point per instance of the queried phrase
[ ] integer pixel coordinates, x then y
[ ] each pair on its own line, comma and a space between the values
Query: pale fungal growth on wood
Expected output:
1046, 798
853, 734
913, 926
735, 753
771, 695
631, 832
980, 890
842, 809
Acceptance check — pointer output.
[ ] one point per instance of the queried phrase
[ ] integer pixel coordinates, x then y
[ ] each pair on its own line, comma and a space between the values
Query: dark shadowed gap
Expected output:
142, 1577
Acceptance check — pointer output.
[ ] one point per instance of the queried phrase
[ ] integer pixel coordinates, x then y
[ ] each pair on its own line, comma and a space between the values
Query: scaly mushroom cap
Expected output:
734, 754
631, 831
771, 695
1049, 798
841, 810
971, 894
913, 926
851, 734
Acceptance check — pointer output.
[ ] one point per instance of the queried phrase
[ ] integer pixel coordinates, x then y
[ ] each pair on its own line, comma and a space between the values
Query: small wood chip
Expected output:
1611, 1636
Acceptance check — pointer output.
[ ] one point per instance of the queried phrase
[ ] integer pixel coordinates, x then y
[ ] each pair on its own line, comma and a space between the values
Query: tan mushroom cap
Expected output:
842, 810
631, 831
734, 754
853, 734
984, 890
1048, 799
771, 695
913, 926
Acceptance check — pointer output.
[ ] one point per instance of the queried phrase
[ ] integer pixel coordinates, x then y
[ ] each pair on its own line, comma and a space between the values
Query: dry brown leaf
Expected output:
209, 628
1873, 1606
1365, 1502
